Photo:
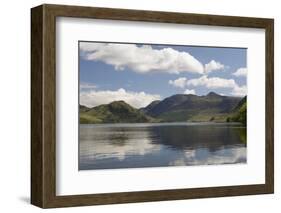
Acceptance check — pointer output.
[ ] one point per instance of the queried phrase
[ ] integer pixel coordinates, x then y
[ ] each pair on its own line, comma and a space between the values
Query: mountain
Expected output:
240, 104
181, 107
83, 108
115, 112
149, 106
240, 112
176, 108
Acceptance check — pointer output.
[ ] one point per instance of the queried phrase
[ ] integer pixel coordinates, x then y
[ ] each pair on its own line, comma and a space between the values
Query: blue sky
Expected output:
140, 73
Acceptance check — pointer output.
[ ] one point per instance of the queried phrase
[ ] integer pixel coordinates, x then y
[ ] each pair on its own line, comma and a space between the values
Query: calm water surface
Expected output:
109, 146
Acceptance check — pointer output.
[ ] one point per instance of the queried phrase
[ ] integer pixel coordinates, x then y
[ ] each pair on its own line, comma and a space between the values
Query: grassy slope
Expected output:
115, 112
121, 112
212, 107
240, 115
194, 116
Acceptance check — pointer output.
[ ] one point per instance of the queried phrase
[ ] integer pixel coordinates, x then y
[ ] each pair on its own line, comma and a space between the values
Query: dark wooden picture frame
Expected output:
43, 105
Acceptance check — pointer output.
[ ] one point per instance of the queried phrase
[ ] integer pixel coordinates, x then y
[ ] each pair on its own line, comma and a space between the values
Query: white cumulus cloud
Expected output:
213, 66
239, 91
241, 72
180, 82
136, 99
189, 91
211, 83
141, 59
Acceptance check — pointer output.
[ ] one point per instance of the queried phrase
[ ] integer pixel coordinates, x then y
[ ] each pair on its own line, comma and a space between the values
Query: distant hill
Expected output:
181, 107
176, 108
83, 108
115, 112
149, 106
242, 102
240, 112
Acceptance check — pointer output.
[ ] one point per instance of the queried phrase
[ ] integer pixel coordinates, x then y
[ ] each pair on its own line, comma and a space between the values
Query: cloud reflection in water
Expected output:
153, 145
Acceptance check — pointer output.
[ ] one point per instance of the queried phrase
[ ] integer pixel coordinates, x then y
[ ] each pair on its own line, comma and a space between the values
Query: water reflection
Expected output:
148, 145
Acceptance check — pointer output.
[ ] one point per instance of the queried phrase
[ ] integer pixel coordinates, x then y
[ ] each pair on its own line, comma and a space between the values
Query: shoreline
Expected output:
189, 123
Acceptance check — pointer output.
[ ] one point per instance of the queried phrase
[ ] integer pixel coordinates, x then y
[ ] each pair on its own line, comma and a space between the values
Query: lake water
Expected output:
110, 146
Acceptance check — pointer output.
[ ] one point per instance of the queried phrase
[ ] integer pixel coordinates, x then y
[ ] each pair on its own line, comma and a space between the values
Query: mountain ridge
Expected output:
114, 112
240, 112
176, 108
182, 107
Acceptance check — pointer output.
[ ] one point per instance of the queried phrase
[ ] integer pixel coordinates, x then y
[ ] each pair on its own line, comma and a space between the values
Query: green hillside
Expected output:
115, 112
176, 108
240, 112
181, 107
83, 108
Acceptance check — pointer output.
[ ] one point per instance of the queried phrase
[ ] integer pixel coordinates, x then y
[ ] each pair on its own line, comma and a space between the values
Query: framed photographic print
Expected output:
136, 106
